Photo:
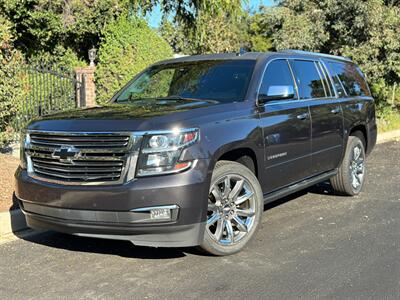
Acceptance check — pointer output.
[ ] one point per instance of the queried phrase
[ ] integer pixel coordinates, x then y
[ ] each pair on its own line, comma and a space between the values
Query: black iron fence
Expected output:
49, 89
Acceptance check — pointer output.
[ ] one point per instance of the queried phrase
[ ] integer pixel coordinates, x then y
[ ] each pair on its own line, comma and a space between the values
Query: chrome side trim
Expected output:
155, 207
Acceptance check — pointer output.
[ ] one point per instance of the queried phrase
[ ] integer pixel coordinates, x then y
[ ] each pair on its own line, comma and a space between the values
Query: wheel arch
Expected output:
236, 151
363, 129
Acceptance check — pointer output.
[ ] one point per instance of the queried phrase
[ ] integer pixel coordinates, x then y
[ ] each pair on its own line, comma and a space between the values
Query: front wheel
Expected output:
235, 206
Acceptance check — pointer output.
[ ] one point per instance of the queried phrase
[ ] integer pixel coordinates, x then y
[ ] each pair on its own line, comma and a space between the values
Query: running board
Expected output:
298, 186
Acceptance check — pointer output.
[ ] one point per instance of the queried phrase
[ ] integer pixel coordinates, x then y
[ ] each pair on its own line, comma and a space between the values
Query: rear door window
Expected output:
350, 77
308, 79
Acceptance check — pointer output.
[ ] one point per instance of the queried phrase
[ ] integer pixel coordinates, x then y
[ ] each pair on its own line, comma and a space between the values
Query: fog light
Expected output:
160, 214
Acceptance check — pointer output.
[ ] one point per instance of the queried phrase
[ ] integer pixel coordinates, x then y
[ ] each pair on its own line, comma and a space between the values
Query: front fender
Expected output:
227, 132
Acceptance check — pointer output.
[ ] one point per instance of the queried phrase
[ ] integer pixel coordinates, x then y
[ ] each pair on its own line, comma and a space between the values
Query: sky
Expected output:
154, 18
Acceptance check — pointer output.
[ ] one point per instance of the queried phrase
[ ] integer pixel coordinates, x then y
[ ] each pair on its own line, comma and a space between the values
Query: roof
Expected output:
250, 56
309, 53
217, 56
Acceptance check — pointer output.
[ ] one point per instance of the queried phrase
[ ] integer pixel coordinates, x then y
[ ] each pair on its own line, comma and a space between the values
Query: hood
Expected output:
144, 115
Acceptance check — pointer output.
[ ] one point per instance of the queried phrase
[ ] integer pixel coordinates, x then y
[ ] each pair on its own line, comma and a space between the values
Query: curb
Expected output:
388, 136
14, 220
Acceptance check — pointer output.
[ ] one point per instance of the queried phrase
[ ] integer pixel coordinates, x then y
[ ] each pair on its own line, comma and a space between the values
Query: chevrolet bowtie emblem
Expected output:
66, 153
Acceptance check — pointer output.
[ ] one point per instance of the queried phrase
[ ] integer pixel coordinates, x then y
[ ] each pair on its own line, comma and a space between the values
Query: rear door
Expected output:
287, 131
326, 114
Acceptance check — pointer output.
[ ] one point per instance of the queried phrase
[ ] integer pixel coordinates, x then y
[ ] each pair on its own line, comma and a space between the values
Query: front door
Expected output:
286, 128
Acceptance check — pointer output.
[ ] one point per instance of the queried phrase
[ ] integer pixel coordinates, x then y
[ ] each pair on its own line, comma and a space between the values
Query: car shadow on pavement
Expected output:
323, 188
104, 246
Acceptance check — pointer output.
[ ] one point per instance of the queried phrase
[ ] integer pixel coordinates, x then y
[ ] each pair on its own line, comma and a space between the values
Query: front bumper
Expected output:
106, 211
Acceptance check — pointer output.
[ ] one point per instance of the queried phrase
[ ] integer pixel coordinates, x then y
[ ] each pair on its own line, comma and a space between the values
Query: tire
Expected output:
248, 162
241, 205
350, 178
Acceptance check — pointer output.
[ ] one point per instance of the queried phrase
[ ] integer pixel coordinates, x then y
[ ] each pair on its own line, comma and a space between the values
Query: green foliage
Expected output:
212, 34
128, 47
257, 34
388, 119
187, 12
12, 88
60, 56
176, 36
367, 31
42, 26
218, 33
61, 32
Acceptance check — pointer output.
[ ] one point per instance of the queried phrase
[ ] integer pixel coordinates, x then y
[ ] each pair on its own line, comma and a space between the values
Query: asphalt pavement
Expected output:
312, 245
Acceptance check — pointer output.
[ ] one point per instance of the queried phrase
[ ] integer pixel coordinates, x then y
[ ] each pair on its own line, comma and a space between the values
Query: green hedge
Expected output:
128, 46
12, 82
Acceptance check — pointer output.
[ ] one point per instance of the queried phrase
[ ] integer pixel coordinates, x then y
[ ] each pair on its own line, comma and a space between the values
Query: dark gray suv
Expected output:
190, 150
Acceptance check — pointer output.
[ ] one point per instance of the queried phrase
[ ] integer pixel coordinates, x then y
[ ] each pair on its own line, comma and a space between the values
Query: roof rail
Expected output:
315, 53
241, 51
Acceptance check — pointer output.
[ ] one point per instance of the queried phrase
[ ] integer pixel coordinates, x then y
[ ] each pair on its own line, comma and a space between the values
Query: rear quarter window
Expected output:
348, 76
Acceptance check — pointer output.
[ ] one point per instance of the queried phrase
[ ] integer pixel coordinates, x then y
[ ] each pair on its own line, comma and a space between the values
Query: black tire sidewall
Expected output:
353, 142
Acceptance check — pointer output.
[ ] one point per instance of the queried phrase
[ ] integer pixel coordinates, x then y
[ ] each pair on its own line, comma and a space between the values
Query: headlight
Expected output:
160, 153
24, 144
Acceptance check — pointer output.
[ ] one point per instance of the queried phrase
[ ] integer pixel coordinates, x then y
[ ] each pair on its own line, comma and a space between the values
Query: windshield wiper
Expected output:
177, 97
167, 98
174, 97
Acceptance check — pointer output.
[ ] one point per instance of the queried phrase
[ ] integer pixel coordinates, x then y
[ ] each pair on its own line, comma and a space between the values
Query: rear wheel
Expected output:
351, 175
235, 206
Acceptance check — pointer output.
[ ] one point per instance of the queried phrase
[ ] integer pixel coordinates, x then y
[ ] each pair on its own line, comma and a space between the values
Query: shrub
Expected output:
12, 87
127, 47
388, 119
60, 57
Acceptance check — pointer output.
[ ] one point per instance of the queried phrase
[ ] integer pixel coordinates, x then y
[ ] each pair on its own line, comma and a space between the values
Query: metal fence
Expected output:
49, 89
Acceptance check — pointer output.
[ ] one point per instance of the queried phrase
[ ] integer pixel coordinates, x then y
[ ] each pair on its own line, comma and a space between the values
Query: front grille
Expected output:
93, 141
80, 157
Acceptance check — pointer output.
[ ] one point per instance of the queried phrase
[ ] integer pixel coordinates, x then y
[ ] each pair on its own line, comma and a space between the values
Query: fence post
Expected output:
86, 89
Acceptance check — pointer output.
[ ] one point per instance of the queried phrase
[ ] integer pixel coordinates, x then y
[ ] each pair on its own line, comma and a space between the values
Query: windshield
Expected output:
217, 80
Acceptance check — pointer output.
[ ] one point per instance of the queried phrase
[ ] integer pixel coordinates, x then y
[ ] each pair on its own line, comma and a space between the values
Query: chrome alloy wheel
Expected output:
231, 209
357, 168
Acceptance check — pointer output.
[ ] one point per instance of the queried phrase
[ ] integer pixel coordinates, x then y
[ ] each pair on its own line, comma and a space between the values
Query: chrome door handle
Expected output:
335, 110
303, 116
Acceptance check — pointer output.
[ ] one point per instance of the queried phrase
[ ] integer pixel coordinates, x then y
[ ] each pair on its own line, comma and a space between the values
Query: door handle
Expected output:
303, 116
335, 110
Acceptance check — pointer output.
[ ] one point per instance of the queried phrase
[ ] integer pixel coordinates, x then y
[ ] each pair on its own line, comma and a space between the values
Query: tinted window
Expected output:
350, 77
338, 85
325, 80
308, 79
221, 80
277, 74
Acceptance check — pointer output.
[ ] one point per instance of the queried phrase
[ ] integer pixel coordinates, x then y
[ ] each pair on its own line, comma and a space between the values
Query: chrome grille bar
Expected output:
78, 163
96, 158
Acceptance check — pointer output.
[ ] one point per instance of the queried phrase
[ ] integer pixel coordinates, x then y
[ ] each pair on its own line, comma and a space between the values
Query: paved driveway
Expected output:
311, 245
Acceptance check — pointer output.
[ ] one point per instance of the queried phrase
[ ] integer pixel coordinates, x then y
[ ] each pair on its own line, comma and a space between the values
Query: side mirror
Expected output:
277, 92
